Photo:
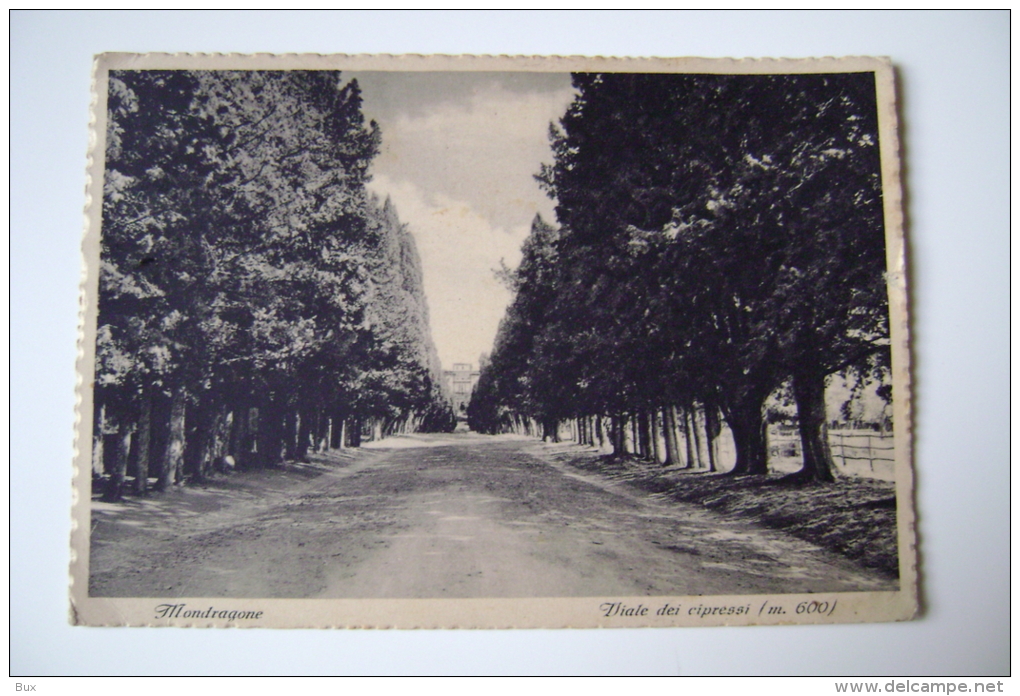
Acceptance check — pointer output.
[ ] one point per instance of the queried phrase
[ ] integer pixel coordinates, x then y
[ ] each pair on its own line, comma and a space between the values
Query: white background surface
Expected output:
954, 72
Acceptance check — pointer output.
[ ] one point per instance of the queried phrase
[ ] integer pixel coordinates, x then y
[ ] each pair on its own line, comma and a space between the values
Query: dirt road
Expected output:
460, 515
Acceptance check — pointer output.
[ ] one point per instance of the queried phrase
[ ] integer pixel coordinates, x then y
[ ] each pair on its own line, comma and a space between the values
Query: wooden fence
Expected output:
862, 452
861, 445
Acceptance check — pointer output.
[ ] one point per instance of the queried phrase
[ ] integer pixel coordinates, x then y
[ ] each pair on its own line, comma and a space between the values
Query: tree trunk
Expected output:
225, 459
640, 434
115, 490
212, 441
252, 445
626, 425
290, 428
648, 435
711, 433
144, 442
354, 436
655, 429
173, 456
205, 435
668, 438
697, 437
236, 435
809, 393
686, 417
336, 430
98, 448
328, 440
747, 423
318, 431
200, 439
674, 433
304, 436
254, 421
550, 430
272, 432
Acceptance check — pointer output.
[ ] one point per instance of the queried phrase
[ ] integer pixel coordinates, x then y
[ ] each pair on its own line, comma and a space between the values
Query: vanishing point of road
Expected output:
461, 515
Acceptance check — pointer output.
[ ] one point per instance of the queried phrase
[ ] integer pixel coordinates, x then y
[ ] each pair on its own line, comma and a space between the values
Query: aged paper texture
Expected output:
492, 342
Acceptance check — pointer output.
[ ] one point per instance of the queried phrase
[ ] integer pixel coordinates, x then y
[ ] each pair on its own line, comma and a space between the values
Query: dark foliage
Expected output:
254, 300
720, 235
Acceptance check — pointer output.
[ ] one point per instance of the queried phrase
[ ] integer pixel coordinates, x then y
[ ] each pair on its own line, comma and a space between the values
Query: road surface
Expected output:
461, 515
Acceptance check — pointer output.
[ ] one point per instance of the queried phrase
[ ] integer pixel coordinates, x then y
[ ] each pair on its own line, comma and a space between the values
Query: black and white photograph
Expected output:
493, 342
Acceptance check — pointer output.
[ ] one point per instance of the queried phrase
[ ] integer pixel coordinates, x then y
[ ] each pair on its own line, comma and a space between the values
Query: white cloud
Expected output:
484, 151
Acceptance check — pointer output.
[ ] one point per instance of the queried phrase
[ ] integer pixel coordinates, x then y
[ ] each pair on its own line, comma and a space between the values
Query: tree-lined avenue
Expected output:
459, 515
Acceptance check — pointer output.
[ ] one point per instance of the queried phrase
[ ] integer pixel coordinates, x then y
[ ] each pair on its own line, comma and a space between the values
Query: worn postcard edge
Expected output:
557, 612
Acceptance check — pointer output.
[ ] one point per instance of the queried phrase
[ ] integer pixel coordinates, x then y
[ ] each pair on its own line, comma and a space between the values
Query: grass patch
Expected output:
855, 517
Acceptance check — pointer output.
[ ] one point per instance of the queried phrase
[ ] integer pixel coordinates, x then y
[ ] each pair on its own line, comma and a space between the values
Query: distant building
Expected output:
460, 382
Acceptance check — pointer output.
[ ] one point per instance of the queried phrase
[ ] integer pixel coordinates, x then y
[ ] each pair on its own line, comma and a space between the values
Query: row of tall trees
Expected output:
255, 300
719, 236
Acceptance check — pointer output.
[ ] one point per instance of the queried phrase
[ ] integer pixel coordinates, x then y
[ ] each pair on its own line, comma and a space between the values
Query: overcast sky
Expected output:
459, 151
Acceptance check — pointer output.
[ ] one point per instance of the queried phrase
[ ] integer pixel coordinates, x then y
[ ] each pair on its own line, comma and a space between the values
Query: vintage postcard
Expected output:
492, 342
